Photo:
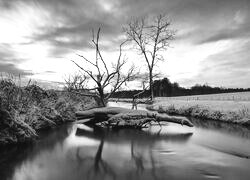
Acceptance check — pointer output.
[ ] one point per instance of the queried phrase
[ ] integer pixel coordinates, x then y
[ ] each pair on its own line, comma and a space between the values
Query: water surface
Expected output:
210, 150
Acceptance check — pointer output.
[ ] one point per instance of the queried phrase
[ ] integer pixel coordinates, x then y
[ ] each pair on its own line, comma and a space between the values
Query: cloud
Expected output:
227, 34
7, 53
68, 23
229, 68
8, 61
237, 28
72, 20
12, 69
65, 25
76, 37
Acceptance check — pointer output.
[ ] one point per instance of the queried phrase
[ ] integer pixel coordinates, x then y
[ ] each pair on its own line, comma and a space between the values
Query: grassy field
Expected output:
228, 107
238, 96
26, 109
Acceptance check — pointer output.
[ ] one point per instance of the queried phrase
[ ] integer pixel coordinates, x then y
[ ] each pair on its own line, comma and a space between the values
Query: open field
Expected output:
238, 96
228, 107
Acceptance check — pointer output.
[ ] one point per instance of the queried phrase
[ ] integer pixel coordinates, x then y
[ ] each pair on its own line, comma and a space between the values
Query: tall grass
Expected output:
236, 96
227, 107
26, 109
241, 116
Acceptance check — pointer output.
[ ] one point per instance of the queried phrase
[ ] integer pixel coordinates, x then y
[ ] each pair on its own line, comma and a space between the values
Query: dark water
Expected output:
210, 150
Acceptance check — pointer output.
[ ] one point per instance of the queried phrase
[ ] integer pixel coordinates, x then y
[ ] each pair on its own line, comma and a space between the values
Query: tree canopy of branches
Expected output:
76, 82
151, 37
102, 75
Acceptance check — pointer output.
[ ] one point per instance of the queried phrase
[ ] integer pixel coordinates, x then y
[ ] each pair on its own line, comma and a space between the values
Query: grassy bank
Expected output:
226, 107
26, 110
129, 100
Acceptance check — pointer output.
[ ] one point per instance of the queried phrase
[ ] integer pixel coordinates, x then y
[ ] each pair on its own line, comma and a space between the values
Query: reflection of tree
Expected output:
97, 168
153, 170
138, 159
100, 167
144, 138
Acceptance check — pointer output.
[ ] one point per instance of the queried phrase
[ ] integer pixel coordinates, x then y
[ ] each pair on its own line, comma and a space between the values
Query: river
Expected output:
210, 150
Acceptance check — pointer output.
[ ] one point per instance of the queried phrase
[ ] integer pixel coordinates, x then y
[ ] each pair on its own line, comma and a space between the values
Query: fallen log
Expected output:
115, 117
91, 113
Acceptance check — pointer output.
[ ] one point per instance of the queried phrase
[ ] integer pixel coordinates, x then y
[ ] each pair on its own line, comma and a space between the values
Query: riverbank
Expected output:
220, 107
72, 151
129, 100
26, 110
226, 107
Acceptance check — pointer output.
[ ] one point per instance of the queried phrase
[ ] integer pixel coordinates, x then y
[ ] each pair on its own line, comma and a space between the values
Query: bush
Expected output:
24, 110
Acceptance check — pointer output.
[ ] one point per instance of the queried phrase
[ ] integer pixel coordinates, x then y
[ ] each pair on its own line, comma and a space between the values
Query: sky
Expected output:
38, 38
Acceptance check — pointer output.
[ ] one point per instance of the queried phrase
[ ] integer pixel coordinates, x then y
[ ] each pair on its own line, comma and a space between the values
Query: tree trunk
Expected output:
151, 84
122, 117
102, 98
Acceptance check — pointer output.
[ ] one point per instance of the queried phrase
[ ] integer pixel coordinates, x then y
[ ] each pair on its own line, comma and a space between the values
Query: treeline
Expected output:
164, 88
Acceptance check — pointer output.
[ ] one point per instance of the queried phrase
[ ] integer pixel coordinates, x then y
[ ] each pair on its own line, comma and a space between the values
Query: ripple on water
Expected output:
209, 175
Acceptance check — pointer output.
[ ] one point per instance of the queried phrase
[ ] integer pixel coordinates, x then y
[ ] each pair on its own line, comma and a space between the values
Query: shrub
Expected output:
24, 110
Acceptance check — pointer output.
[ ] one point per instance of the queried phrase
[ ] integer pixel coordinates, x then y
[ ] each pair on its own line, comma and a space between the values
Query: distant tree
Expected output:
102, 75
151, 37
76, 82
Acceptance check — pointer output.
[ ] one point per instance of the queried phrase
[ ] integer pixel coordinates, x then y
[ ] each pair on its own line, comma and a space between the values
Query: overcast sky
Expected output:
212, 45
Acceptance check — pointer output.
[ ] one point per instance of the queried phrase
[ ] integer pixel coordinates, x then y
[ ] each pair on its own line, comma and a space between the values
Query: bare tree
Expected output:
76, 82
102, 75
151, 37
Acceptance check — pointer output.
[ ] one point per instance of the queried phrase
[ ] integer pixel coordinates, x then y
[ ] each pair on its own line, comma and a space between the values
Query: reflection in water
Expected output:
14, 156
95, 154
172, 151
234, 129
138, 159
127, 138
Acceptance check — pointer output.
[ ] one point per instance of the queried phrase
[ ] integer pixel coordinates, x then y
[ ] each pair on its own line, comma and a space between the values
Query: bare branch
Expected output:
76, 82
105, 76
86, 94
86, 71
86, 60
98, 52
150, 38
121, 80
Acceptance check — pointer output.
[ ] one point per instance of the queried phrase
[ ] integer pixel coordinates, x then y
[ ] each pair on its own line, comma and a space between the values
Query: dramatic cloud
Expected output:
12, 69
35, 30
228, 68
8, 62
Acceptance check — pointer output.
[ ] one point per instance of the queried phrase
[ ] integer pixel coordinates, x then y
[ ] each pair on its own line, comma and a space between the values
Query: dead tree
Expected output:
150, 38
102, 75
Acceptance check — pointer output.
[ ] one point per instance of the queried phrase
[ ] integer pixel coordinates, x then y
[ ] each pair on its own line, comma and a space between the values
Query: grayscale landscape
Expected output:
124, 89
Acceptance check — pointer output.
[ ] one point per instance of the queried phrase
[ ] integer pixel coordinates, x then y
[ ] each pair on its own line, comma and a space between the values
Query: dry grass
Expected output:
236, 96
24, 110
227, 107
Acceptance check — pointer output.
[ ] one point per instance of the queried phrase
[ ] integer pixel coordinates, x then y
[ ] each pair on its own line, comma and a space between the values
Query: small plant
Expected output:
244, 112
171, 109
161, 110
